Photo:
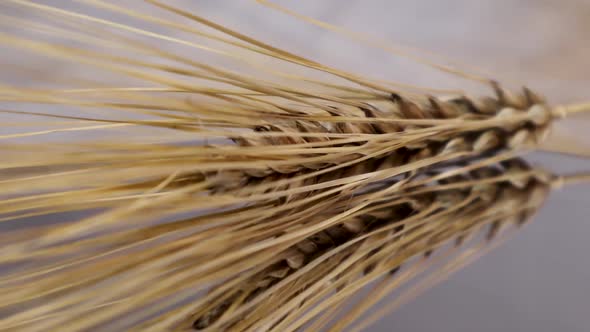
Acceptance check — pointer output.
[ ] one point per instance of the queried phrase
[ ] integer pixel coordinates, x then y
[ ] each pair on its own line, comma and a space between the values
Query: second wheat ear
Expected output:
388, 233
164, 275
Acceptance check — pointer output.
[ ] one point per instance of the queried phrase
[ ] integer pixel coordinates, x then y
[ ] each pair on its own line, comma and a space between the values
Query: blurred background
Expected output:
539, 280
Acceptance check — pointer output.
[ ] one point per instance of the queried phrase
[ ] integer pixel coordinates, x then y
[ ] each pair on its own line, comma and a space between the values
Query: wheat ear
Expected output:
389, 222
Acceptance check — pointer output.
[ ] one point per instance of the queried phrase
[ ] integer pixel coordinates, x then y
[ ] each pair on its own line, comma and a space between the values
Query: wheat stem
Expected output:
571, 179
563, 111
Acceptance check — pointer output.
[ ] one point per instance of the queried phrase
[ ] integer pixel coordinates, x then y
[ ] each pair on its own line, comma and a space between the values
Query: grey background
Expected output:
540, 280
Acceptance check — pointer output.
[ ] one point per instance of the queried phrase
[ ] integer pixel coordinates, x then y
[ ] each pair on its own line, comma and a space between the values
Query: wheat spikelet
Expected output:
294, 197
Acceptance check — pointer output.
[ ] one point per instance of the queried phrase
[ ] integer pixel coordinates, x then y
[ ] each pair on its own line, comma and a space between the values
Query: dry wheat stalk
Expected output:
240, 167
